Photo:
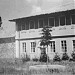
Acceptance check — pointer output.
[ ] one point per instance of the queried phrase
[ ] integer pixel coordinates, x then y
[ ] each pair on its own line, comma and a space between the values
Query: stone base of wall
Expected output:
7, 50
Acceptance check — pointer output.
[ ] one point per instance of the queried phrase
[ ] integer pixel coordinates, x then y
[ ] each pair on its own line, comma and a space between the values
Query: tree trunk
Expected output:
47, 55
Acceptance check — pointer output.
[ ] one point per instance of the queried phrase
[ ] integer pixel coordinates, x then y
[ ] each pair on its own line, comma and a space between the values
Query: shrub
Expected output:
65, 56
56, 57
18, 61
25, 59
43, 58
73, 56
35, 59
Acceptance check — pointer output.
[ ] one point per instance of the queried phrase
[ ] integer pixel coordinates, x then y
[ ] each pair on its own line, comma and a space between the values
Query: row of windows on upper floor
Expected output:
51, 22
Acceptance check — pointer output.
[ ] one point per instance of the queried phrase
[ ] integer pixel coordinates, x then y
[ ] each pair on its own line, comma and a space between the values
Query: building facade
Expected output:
28, 33
7, 47
7, 40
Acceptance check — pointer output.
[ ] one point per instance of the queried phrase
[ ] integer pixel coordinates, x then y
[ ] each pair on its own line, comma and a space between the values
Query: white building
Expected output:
28, 31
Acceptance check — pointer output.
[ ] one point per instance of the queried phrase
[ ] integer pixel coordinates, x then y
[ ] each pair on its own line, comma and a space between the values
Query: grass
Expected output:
12, 67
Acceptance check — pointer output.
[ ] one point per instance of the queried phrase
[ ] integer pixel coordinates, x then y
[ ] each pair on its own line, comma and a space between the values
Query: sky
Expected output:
12, 9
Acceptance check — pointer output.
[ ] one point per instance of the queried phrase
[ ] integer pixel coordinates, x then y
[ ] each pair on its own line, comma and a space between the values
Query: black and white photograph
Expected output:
37, 37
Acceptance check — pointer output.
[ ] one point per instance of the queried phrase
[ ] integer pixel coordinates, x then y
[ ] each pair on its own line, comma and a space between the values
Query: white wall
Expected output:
56, 31
28, 48
50, 54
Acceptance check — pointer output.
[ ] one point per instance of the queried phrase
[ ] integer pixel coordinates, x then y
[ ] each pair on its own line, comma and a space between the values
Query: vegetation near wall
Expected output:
7, 48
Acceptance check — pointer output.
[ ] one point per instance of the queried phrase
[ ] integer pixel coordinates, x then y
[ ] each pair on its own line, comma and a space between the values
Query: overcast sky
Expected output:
10, 9
18, 8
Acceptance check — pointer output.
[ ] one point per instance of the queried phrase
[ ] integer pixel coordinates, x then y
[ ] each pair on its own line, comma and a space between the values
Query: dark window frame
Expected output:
61, 21
45, 22
33, 25
73, 20
27, 27
23, 26
57, 21
50, 25
19, 27
36, 24
41, 26
68, 20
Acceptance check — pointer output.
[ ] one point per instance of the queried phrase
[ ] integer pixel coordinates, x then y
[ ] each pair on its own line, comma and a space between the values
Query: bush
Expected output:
43, 58
25, 59
73, 56
18, 61
65, 56
56, 57
35, 59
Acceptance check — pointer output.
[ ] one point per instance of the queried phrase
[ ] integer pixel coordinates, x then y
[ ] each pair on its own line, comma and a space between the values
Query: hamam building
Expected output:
28, 35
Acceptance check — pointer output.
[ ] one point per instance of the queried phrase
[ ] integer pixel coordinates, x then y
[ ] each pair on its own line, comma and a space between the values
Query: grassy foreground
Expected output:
12, 67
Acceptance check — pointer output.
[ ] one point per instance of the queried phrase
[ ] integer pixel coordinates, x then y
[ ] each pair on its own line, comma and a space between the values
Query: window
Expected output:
33, 45
64, 46
51, 22
56, 21
24, 47
19, 27
52, 45
36, 24
23, 26
31, 24
74, 45
27, 25
73, 19
68, 20
62, 20
40, 23
46, 22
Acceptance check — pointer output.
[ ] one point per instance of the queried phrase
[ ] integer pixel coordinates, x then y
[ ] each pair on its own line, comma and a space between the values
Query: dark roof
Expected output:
72, 11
